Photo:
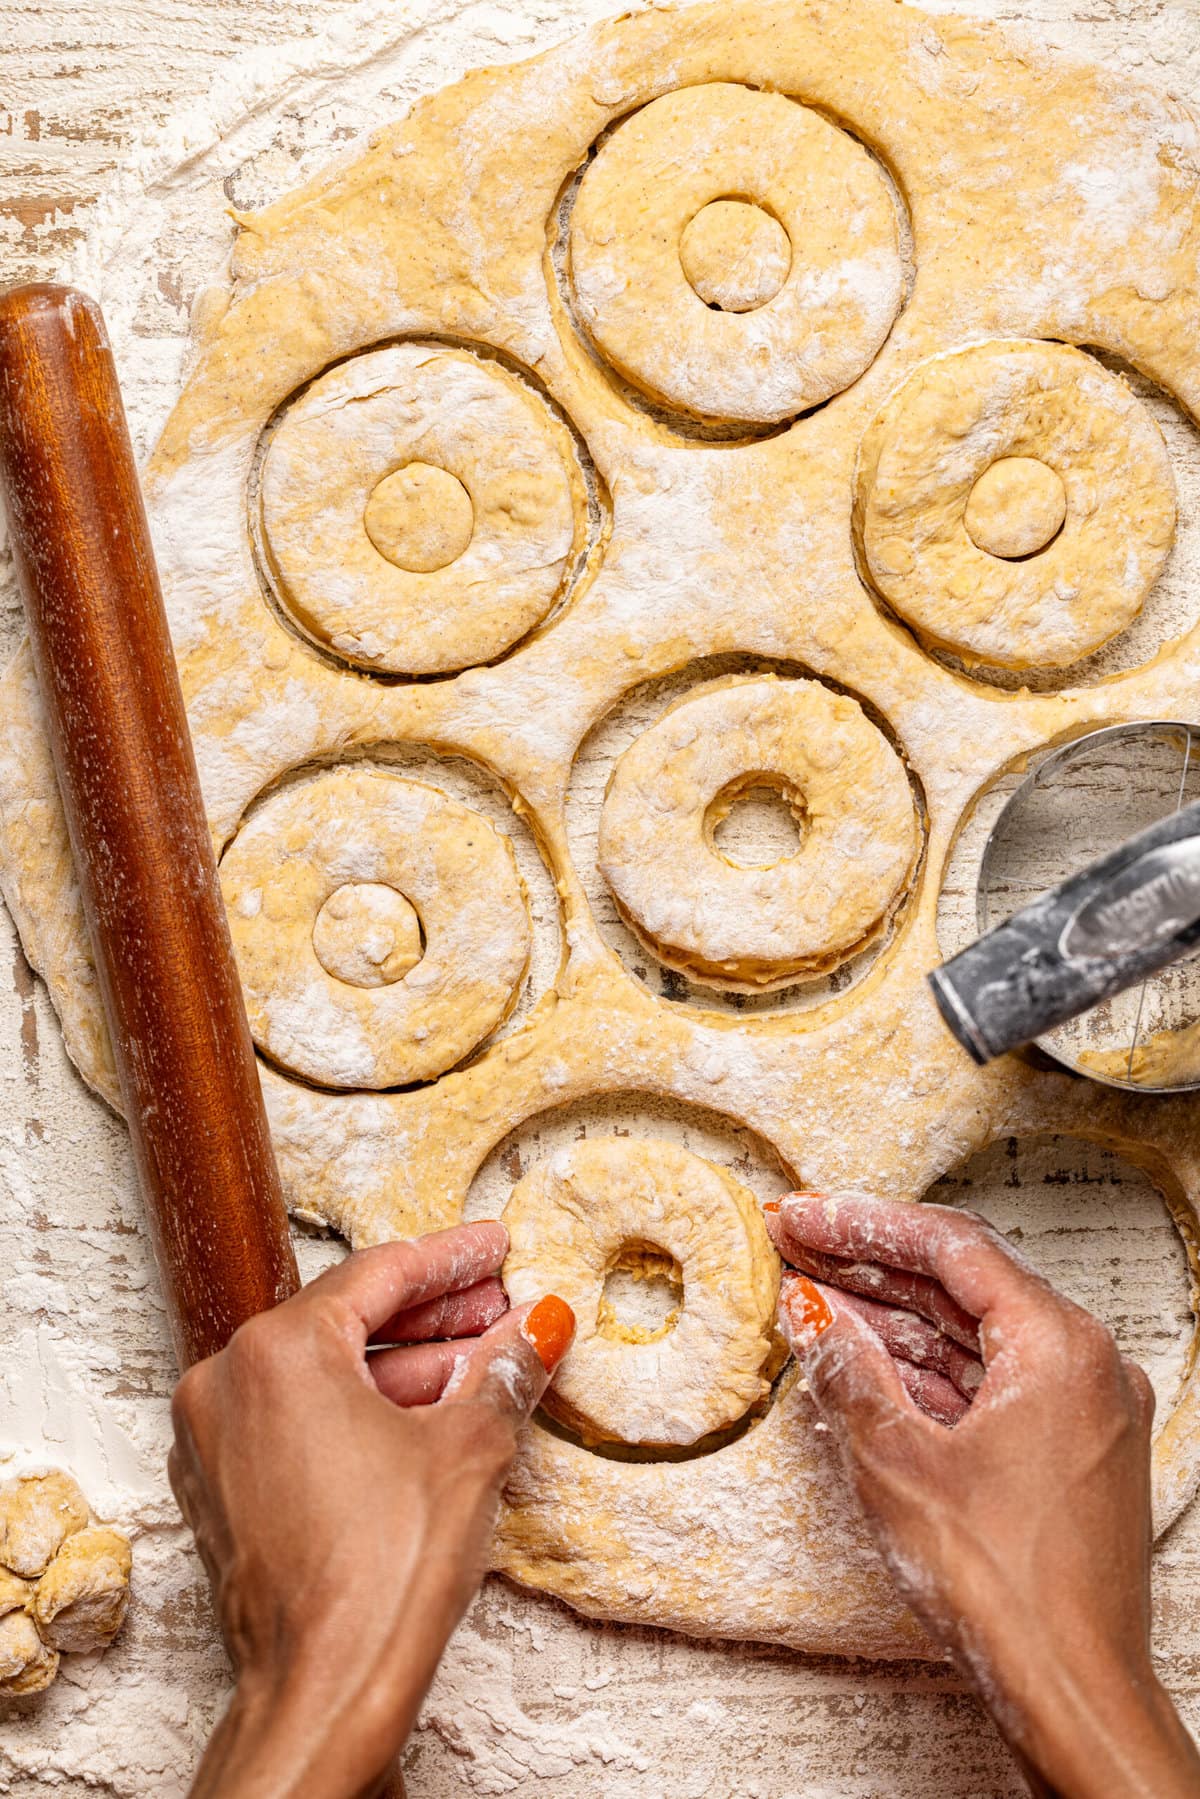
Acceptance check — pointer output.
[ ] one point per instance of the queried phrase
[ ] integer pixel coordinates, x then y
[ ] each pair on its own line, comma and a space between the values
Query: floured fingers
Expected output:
913, 1340
896, 1287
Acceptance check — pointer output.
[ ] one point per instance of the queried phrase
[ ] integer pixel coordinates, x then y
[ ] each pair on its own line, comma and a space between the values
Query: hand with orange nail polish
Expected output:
340, 1464
999, 1445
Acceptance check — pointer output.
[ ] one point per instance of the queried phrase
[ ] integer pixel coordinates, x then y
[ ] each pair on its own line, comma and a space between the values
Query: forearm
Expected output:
1104, 1734
296, 1742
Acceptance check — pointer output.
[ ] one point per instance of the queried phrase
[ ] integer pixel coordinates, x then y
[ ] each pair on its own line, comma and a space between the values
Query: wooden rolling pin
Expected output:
140, 838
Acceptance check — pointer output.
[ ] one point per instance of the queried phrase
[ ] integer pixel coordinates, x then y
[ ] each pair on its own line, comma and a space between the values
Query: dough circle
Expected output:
1017, 507
735, 256
962, 415
310, 841
758, 928
367, 934
569, 1219
420, 518
421, 509
633, 250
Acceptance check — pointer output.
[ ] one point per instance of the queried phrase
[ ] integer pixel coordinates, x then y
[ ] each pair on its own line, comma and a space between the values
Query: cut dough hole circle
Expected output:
682, 302
421, 509
1103, 1231
954, 420
367, 935
642, 1296
735, 255
754, 928
313, 840
574, 1215
755, 822
1016, 508
420, 517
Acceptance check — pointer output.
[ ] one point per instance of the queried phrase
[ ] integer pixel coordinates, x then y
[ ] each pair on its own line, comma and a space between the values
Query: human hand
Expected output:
342, 1500
999, 1445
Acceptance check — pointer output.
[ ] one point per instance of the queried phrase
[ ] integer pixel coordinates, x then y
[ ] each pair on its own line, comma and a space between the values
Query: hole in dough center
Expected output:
1016, 508
642, 1297
755, 822
735, 255
420, 517
368, 935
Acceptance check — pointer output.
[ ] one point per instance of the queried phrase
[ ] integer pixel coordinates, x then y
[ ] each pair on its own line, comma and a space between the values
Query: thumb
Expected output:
849, 1373
510, 1365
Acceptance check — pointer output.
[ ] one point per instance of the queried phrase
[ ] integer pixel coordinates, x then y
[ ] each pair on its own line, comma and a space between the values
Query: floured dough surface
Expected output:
616, 260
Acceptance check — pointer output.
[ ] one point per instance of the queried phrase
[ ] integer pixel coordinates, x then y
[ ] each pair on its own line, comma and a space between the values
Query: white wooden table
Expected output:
531, 1699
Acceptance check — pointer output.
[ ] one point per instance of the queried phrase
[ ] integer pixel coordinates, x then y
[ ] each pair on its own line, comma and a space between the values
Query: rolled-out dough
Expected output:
1035, 198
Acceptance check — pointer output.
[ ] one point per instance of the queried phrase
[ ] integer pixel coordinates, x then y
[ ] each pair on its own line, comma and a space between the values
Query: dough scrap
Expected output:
77, 1590
568, 1221
957, 418
82, 1598
306, 844
755, 928
658, 312
1017, 507
421, 509
15, 1593
38, 1512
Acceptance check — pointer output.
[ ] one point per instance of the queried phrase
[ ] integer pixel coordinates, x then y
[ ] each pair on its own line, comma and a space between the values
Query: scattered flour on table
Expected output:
475, 1712
125, 1723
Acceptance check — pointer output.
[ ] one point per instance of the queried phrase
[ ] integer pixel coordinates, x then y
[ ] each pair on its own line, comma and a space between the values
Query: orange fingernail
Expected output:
805, 1311
772, 1205
550, 1327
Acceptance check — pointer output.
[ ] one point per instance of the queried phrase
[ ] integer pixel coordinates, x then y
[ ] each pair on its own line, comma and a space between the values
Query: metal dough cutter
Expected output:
1089, 895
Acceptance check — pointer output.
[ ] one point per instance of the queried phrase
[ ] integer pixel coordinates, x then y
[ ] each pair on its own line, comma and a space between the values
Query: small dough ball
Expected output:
367, 935
82, 1598
26, 1664
38, 1513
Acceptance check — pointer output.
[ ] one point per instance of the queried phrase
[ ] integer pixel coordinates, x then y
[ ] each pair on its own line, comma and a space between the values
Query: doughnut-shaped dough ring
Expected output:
318, 838
421, 509
735, 358
569, 1219
753, 929
927, 462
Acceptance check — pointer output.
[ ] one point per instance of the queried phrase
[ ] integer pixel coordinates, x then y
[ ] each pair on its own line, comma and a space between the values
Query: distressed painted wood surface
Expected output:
531, 1699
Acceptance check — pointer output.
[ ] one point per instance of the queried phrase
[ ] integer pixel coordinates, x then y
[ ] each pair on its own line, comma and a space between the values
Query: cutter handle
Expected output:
142, 850
1119, 920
